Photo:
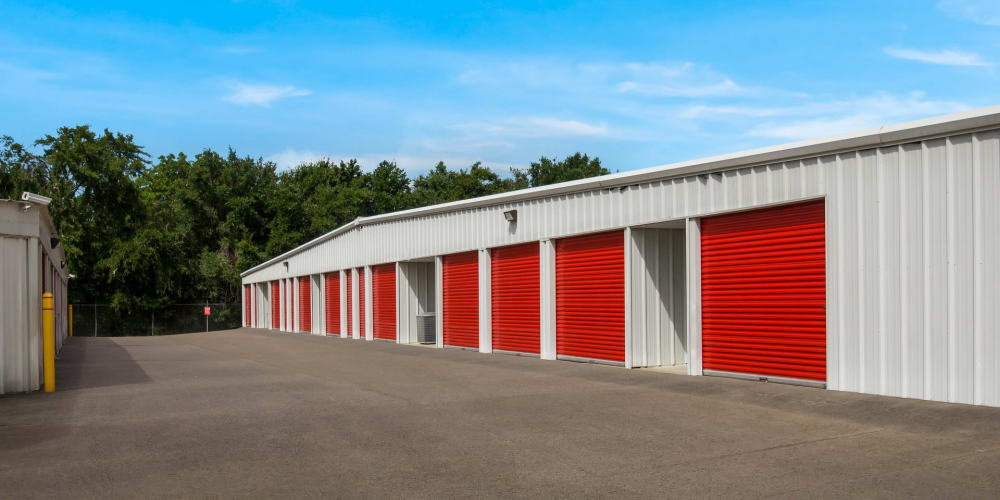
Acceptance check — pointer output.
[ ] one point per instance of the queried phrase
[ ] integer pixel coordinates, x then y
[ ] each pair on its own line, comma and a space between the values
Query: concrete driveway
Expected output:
253, 413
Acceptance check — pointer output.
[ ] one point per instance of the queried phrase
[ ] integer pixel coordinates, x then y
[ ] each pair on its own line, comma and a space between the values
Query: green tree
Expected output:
21, 170
550, 171
442, 185
96, 205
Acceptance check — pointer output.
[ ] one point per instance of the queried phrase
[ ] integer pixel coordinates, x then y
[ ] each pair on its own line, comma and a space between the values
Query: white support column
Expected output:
243, 301
253, 305
266, 289
316, 304
547, 299
281, 304
355, 321
344, 332
402, 288
295, 304
439, 301
321, 302
485, 302
628, 298
693, 240
369, 307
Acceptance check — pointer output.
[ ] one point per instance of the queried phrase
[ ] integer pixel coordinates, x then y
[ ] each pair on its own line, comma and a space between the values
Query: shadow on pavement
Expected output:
80, 354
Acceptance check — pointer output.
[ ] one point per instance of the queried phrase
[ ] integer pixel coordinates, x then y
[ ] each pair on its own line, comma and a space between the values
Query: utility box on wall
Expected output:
425, 328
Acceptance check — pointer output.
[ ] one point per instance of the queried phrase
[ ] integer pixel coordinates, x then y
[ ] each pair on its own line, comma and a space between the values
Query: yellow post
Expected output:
49, 342
70, 319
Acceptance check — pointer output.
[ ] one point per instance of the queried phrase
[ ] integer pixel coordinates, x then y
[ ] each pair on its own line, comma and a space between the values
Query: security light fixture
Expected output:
62, 264
53, 242
35, 198
286, 265
510, 215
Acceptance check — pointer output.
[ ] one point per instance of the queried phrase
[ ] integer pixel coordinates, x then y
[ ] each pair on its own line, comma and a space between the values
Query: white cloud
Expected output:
985, 12
943, 57
236, 50
291, 158
413, 163
643, 79
262, 95
12, 71
819, 119
819, 127
533, 126
682, 80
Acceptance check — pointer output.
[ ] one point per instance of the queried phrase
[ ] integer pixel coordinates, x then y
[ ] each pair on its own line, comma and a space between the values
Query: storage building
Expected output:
31, 263
866, 262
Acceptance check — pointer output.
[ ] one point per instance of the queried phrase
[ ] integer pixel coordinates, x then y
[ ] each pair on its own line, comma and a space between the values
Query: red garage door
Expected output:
515, 288
361, 302
763, 288
305, 306
590, 296
332, 295
275, 305
246, 305
460, 300
384, 301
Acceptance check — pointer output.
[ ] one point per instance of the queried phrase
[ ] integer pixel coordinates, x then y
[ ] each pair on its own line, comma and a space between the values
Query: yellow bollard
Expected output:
70, 319
49, 342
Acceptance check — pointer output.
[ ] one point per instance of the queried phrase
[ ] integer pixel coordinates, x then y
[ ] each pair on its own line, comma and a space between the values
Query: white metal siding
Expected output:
912, 230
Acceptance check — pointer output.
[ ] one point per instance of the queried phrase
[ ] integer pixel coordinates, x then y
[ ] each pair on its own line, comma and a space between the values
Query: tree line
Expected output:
144, 233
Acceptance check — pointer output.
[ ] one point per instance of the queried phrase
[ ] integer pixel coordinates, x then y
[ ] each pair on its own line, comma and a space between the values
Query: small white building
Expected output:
31, 263
865, 262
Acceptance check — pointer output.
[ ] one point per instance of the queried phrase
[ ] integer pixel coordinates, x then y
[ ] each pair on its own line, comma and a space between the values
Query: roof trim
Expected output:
879, 136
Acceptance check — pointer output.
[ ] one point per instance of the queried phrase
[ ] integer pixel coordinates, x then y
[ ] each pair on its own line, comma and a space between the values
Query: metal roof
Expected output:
874, 137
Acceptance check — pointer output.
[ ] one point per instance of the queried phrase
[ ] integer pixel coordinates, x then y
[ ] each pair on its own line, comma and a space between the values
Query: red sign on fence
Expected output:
208, 311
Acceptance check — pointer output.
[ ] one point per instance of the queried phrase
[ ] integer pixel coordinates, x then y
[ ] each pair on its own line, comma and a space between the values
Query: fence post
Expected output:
95, 320
48, 342
152, 323
70, 320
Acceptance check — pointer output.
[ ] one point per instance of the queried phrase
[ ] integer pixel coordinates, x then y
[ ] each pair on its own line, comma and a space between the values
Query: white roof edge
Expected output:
895, 133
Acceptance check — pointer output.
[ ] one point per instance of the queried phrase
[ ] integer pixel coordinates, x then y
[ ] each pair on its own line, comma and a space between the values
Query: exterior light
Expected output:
35, 198
510, 215
54, 242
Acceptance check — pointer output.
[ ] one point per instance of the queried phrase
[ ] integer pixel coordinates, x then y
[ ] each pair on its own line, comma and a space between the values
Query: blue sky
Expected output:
636, 83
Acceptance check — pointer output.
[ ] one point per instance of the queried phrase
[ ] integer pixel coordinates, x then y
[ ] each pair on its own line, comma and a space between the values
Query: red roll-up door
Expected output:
246, 305
515, 288
305, 305
361, 302
350, 304
460, 299
332, 296
763, 292
275, 306
384, 301
590, 296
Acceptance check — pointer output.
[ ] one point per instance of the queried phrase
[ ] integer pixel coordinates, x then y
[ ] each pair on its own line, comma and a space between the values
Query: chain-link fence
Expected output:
92, 320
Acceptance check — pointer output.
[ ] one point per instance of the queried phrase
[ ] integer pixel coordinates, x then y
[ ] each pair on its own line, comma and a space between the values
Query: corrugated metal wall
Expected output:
657, 305
911, 229
20, 321
912, 243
